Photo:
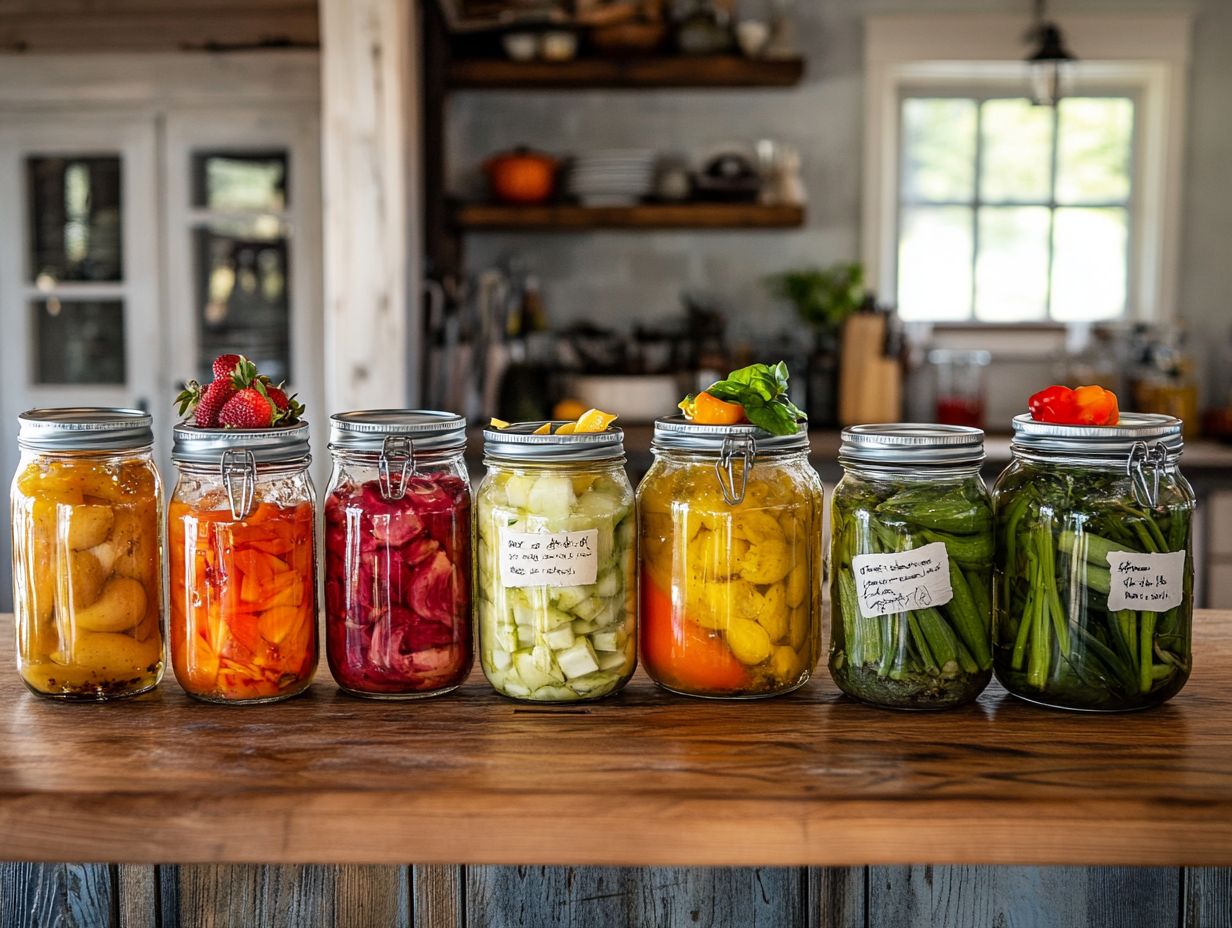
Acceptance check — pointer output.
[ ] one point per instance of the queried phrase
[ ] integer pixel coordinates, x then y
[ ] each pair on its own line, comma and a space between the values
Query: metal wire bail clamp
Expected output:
239, 462
398, 451
1141, 455
743, 446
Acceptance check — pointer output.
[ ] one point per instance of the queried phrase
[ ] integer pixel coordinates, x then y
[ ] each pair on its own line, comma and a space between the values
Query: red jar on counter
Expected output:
397, 554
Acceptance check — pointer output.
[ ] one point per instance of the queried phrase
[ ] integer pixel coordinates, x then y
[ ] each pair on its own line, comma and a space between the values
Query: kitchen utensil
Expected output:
521, 176
961, 378
520, 46
870, 384
558, 45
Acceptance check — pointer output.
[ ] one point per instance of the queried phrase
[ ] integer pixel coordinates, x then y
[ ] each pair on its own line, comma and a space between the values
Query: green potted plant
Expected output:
823, 299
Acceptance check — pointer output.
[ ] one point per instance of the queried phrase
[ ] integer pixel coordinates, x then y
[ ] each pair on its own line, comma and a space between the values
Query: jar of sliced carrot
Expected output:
243, 564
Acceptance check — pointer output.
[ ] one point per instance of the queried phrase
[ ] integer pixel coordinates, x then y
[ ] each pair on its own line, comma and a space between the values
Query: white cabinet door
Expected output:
79, 270
242, 214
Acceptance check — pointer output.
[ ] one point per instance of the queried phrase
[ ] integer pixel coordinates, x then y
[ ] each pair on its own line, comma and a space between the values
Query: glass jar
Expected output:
1094, 570
87, 567
911, 549
555, 524
730, 550
243, 564
398, 553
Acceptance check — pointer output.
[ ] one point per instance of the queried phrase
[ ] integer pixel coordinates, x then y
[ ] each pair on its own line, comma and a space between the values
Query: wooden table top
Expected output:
642, 779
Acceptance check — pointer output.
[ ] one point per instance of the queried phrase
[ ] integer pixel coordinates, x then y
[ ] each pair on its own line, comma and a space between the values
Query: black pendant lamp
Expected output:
1051, 63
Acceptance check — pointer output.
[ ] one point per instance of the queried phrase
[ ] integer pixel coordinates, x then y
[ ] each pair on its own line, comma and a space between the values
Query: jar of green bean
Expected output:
911, 554
1093, 585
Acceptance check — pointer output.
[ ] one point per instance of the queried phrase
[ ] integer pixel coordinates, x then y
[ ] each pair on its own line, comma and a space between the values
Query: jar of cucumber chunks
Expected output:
911, 553
555, 563
730, 550
1094, 567
87, 554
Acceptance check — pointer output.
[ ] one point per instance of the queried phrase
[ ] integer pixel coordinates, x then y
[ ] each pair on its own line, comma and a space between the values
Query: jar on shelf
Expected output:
87, 553
556, 584
730, 551
911, 554
243, 564
1094, 565
398, 553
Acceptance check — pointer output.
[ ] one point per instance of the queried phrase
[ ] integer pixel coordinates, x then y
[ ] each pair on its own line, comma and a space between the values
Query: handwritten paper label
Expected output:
890, 583
1147, 582
544, 559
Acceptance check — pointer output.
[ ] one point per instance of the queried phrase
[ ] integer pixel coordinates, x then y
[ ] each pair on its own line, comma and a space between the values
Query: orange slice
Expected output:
545, 429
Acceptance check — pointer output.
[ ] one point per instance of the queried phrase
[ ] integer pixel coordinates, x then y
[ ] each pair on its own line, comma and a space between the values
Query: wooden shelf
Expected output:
476, 216
643, 778
617, 73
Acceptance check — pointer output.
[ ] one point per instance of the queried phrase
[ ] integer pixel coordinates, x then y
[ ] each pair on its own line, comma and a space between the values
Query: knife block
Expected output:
870, 384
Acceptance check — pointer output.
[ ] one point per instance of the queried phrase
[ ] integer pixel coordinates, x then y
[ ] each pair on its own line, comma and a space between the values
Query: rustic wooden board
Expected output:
616, 73
137, 895
438, 896
807, 779
291, 896
835, 897
573, 218
1207, 898
1017, 897
55, 895
614, 897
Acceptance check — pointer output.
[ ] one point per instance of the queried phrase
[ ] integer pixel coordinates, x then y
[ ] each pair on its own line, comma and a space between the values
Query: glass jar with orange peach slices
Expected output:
242, 550
86, 509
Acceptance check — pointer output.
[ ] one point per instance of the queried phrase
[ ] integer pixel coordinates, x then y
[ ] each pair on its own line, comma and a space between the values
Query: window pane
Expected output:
1011, 271
243, 304
244, 182
1017, 152
1093, 150
938, 149
934, 263
75, 223
1089, 264
78, 341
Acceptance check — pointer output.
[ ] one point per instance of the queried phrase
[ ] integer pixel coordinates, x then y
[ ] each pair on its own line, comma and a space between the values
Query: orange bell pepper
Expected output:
680, 653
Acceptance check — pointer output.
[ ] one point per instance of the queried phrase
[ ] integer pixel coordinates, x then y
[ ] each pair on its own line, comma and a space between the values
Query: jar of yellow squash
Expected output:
730, 529
87, 568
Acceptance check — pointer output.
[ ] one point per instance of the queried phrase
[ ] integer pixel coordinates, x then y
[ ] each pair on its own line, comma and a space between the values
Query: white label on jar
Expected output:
1147, 582
891, 583
549, 559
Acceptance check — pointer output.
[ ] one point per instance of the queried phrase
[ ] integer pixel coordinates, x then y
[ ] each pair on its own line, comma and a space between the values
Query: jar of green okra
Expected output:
911, 551
1094, 567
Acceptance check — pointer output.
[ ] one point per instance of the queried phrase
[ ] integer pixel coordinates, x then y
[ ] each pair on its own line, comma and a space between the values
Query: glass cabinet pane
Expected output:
243, 299
75, 219
249, 182
78, 341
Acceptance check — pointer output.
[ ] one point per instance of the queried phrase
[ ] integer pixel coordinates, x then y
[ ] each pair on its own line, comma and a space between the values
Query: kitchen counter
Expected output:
642, 779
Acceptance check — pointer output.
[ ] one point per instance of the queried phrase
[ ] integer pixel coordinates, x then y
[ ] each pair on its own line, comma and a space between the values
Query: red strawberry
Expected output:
289, 408
206, 402
248, 409
213, 399
224, 365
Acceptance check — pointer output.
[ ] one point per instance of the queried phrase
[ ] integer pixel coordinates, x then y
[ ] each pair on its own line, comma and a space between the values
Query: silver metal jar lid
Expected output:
366, 430
676, 433
84, 428
912, 443
278, 445
1105, 440
517, 443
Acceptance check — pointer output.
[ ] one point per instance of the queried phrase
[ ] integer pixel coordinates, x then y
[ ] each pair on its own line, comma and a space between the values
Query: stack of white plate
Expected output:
616, 177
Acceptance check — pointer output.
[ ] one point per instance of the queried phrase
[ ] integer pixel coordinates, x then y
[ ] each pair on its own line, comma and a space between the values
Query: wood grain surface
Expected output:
643, 779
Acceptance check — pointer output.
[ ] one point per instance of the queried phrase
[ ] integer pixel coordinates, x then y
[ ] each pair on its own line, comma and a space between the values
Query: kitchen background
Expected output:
176, 179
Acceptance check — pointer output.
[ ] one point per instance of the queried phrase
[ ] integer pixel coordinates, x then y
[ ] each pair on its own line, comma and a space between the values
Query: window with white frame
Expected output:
981, 208
1011, 212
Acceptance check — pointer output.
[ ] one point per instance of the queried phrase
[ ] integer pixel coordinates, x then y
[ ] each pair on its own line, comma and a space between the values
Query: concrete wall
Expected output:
611, 276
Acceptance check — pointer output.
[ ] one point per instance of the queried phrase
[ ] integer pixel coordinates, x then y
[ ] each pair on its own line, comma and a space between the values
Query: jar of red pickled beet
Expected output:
397, 553
241, 540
